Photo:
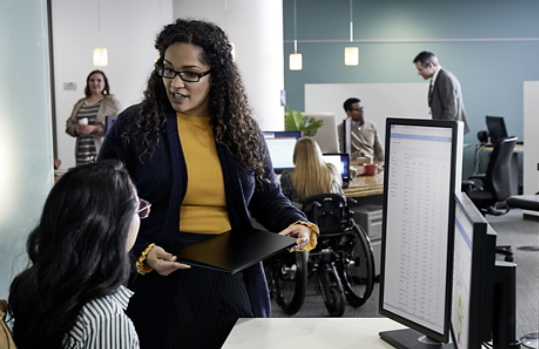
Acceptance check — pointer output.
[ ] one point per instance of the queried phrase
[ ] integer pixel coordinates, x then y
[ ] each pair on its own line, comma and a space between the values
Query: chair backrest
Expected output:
329, 211
498, 175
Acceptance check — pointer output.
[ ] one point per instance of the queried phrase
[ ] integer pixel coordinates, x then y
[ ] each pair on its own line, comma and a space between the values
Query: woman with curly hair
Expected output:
194, 150
311, 175
72, 296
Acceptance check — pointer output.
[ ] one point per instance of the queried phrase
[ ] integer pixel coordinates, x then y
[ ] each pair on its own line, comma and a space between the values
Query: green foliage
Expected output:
295, 121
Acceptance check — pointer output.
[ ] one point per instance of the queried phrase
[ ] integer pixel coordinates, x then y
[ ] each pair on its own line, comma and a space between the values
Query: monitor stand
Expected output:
410, 339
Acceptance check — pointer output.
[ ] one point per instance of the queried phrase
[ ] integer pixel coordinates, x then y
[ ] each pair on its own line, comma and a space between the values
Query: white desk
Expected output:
310, 333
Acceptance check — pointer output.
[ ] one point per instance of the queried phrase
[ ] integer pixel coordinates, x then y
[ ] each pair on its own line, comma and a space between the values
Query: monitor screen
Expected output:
418, 223
281, 146
496, 128
326, 135
473, 275
341, 162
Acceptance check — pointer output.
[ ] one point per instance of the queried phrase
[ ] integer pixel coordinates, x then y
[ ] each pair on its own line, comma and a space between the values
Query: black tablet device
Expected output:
235, 250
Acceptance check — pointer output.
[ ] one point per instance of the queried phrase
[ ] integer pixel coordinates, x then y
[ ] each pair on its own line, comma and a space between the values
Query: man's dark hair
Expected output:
348, 103
426, 58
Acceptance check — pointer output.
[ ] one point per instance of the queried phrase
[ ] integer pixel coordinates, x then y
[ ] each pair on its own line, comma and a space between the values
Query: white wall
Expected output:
26, 172
256, 29
531, 141
406, 100
127, 28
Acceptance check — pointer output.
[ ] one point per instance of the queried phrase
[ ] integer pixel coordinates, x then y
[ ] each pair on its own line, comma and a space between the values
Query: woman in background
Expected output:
87, 121
311, 175
72, 294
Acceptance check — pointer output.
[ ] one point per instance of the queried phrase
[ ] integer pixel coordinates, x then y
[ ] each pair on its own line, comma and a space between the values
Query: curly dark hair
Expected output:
230, 112
78, 253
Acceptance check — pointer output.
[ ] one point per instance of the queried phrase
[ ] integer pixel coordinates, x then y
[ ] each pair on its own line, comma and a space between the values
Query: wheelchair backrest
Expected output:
328, 211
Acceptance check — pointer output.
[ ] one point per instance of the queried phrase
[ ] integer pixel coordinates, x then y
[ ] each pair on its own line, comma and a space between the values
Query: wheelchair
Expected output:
342, 260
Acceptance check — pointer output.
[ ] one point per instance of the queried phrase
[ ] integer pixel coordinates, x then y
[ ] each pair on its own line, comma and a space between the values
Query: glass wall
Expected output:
26, 150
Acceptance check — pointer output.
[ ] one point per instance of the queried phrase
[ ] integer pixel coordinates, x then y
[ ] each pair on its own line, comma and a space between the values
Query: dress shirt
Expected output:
102, 323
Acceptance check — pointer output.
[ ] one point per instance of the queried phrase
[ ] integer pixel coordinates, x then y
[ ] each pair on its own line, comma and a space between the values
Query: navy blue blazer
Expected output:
162, 180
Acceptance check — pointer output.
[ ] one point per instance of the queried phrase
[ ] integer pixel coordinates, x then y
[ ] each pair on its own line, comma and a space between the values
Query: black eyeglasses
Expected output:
144, 209
357, 109
186, 76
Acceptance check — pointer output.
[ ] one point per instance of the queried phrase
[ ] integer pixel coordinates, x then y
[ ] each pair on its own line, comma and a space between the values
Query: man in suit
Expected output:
445, 96
364, 137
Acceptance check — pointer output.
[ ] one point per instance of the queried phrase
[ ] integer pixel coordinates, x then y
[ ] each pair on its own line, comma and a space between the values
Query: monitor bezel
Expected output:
282, 134
482, 274
453, 125
347, 175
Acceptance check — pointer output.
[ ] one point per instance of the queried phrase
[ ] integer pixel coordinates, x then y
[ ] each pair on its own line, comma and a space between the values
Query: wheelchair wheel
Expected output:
356, 268
332, 290
289, 274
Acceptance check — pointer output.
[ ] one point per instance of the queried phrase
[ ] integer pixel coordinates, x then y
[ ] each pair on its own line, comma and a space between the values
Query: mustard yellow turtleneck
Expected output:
204, 207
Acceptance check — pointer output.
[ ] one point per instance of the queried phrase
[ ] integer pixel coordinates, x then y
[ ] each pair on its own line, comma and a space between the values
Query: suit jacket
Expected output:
445, 101
162, 180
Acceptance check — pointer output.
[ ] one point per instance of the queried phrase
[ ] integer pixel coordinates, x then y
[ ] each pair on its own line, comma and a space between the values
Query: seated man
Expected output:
364, 137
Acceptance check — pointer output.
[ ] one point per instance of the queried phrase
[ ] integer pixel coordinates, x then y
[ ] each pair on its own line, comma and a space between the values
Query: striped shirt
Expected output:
102, 323
87, 147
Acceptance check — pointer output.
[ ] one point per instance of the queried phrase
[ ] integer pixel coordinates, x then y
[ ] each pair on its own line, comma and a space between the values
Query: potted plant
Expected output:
295, 121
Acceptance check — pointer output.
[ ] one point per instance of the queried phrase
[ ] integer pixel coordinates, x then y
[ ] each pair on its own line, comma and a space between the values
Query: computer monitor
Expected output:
474, 259
496, 128
326, 135
281, 146
421, 171
342, 162
345, 142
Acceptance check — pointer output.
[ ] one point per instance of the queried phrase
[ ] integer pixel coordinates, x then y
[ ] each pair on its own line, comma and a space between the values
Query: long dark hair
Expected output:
78, 253
106, 90
231, 115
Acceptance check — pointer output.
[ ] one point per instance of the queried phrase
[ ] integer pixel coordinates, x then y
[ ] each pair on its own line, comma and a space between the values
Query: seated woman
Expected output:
311, 176
72, 294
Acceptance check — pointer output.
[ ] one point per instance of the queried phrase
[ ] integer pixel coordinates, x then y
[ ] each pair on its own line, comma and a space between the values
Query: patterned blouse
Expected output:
102, 323
87, 149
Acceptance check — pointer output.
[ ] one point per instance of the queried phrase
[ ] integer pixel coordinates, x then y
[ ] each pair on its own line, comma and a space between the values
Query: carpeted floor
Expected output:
512, 229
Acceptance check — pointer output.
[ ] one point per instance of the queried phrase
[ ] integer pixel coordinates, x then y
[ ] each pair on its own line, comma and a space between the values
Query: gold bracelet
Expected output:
314, 235
142, 267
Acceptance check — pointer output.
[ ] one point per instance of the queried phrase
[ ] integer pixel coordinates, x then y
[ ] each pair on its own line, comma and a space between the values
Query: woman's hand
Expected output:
163, 262
301, 232
82, 129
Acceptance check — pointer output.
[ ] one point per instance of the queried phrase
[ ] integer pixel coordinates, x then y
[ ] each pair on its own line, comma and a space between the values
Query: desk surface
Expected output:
365, 186
310, 333
519, 148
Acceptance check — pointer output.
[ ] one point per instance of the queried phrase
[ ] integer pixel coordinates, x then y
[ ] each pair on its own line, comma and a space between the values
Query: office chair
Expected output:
496, 182
343, 258
496, 186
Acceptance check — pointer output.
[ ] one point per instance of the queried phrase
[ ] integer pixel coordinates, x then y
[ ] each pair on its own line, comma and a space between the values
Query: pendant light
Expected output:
296, 60
101, 57
351, 54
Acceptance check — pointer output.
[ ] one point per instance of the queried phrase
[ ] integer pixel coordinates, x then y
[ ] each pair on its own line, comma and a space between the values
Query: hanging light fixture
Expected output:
351, 54
101, 56
296, 60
